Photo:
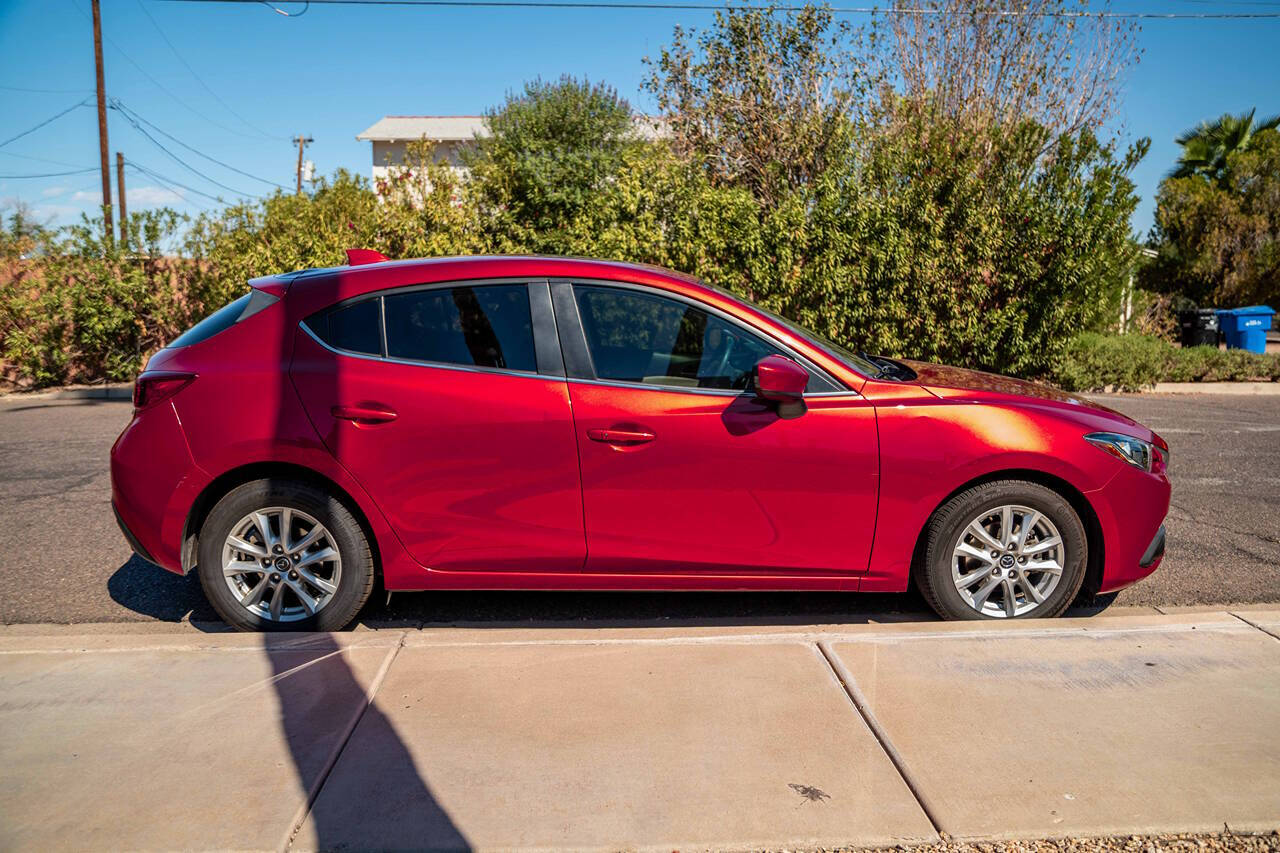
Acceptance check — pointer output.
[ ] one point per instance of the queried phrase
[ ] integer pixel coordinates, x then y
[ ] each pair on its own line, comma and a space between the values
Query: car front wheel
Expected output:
1008, 549
283, 555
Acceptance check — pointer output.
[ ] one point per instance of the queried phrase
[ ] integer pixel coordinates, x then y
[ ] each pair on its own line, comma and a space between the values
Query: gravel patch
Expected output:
1245, 842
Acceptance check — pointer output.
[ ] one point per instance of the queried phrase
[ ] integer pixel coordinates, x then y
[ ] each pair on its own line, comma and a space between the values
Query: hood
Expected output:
957, 382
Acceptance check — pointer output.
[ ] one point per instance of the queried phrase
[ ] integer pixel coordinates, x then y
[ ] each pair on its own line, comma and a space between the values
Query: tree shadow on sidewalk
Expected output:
372, 796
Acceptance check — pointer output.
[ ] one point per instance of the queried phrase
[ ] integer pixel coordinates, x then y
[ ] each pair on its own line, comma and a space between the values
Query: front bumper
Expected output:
1131, 511
1154, 551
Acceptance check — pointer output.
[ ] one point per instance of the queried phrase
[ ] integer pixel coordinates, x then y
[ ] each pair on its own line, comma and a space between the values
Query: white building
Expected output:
451, 134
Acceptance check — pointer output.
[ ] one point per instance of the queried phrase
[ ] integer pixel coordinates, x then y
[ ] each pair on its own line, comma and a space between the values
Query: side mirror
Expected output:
780, 379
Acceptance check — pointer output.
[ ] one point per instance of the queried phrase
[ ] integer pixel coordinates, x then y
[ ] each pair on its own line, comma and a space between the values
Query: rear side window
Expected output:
224, 318
355, 328
487, 326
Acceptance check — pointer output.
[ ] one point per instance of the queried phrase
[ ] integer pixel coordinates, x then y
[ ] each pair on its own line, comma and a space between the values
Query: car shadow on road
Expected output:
151, 591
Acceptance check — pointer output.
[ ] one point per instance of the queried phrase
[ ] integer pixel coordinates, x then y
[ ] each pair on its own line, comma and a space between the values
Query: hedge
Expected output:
1093, 362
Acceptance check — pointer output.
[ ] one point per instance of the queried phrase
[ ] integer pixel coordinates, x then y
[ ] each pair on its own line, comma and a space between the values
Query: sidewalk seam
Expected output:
305, 809
1253, 624
859, 702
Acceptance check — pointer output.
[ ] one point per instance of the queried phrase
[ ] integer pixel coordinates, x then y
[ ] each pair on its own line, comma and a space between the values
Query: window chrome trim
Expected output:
379, 295
437, 365
841, 388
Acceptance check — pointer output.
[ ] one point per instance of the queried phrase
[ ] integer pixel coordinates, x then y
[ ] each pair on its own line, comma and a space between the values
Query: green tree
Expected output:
762, 99
1218, 239
549, 150
1207, 147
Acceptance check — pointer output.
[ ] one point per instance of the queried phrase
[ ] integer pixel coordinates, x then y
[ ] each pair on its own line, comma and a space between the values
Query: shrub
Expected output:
1131, 362
74, 309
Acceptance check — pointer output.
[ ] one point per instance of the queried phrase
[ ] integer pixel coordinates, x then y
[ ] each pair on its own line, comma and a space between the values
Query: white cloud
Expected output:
53, 191
144, 196
45, 212
87, 195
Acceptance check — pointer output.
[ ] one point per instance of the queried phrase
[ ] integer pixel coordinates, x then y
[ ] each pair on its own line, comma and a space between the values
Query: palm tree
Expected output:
1205, 148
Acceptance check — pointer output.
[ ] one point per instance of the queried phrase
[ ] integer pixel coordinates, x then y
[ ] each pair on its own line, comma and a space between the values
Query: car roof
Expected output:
317, 289
462, 267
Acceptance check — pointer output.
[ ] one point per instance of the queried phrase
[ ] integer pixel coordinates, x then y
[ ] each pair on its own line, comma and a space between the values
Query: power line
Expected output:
118, 49
48, 91
43, 123
116, 104
198, 78
39, 159
306, 4
50, 174
169, 182
183, 163
722, 7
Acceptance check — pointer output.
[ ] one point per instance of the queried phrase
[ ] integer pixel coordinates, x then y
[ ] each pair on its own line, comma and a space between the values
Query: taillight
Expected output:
151, 388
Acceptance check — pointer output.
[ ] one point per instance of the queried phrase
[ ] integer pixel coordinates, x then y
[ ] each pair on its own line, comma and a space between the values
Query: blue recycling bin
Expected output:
1246, 328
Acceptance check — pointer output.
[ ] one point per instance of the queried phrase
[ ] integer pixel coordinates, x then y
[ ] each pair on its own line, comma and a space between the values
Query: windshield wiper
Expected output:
890, 368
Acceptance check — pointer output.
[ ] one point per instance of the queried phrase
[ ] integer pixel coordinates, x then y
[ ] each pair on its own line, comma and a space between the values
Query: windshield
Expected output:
847, 356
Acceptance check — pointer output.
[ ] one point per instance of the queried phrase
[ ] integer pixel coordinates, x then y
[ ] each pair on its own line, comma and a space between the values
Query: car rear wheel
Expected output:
1008, 549
283, 555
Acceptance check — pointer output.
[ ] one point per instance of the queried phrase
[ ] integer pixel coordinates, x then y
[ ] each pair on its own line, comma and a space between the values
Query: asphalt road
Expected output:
63, 560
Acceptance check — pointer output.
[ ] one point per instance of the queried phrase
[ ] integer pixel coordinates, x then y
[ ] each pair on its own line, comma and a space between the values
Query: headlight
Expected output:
1135, 451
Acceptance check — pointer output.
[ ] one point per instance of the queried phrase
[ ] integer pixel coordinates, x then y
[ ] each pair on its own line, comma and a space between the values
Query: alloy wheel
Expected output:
1007, 561
281, 564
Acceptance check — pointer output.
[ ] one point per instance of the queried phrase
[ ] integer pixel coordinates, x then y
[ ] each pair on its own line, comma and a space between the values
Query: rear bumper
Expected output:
152, 481
138, 547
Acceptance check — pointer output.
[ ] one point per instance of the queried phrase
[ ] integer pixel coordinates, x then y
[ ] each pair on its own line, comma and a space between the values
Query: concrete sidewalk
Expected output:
672, 738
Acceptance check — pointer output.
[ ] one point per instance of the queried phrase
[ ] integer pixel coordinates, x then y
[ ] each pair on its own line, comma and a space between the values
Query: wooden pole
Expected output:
302, 143
124, 211
108, 228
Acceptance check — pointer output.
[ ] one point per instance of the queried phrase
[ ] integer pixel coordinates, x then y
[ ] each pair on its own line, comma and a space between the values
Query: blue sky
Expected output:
260, 78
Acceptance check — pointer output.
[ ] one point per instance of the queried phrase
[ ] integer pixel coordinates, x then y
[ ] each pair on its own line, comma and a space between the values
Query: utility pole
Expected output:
302, 141
124, 211
108, 228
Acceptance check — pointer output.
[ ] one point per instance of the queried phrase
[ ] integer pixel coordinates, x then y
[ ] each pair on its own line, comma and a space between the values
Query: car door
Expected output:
684, 469
455, 417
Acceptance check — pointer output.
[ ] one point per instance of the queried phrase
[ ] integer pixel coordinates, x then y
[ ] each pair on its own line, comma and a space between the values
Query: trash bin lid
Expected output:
1247, 311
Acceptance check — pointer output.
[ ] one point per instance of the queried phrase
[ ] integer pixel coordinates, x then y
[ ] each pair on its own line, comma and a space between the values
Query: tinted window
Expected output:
488, 326
635, 337
223, 318
354, 328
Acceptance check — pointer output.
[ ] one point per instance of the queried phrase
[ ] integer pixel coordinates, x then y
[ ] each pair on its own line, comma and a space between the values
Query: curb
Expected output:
116, 391
1233, 388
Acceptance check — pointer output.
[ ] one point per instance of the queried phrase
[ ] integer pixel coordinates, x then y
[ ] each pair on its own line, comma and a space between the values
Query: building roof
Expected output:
438, 128
455, 128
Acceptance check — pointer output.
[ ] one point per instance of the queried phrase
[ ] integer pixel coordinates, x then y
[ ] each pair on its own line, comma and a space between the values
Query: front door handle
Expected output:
620, 436
366, 413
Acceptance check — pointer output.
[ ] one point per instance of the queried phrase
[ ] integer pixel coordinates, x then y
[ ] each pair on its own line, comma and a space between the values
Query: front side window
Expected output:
651, 340
484, 326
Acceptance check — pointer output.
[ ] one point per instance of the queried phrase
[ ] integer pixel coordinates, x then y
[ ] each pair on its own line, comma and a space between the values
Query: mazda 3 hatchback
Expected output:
550, 423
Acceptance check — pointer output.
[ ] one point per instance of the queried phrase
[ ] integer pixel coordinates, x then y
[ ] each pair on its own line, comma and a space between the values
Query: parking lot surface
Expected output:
62, 559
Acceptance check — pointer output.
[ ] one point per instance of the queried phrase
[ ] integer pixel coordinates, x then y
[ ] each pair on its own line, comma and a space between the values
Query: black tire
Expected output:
357, 576
943, 533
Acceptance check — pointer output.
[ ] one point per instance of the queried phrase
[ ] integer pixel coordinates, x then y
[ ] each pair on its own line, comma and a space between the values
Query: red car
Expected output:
549, 423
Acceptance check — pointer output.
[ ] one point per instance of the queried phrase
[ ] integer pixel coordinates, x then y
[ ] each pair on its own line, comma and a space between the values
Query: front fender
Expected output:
932, 448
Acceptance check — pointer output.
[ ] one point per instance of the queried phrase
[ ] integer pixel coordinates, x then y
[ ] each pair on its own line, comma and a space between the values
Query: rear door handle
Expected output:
620, 436
368, 413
